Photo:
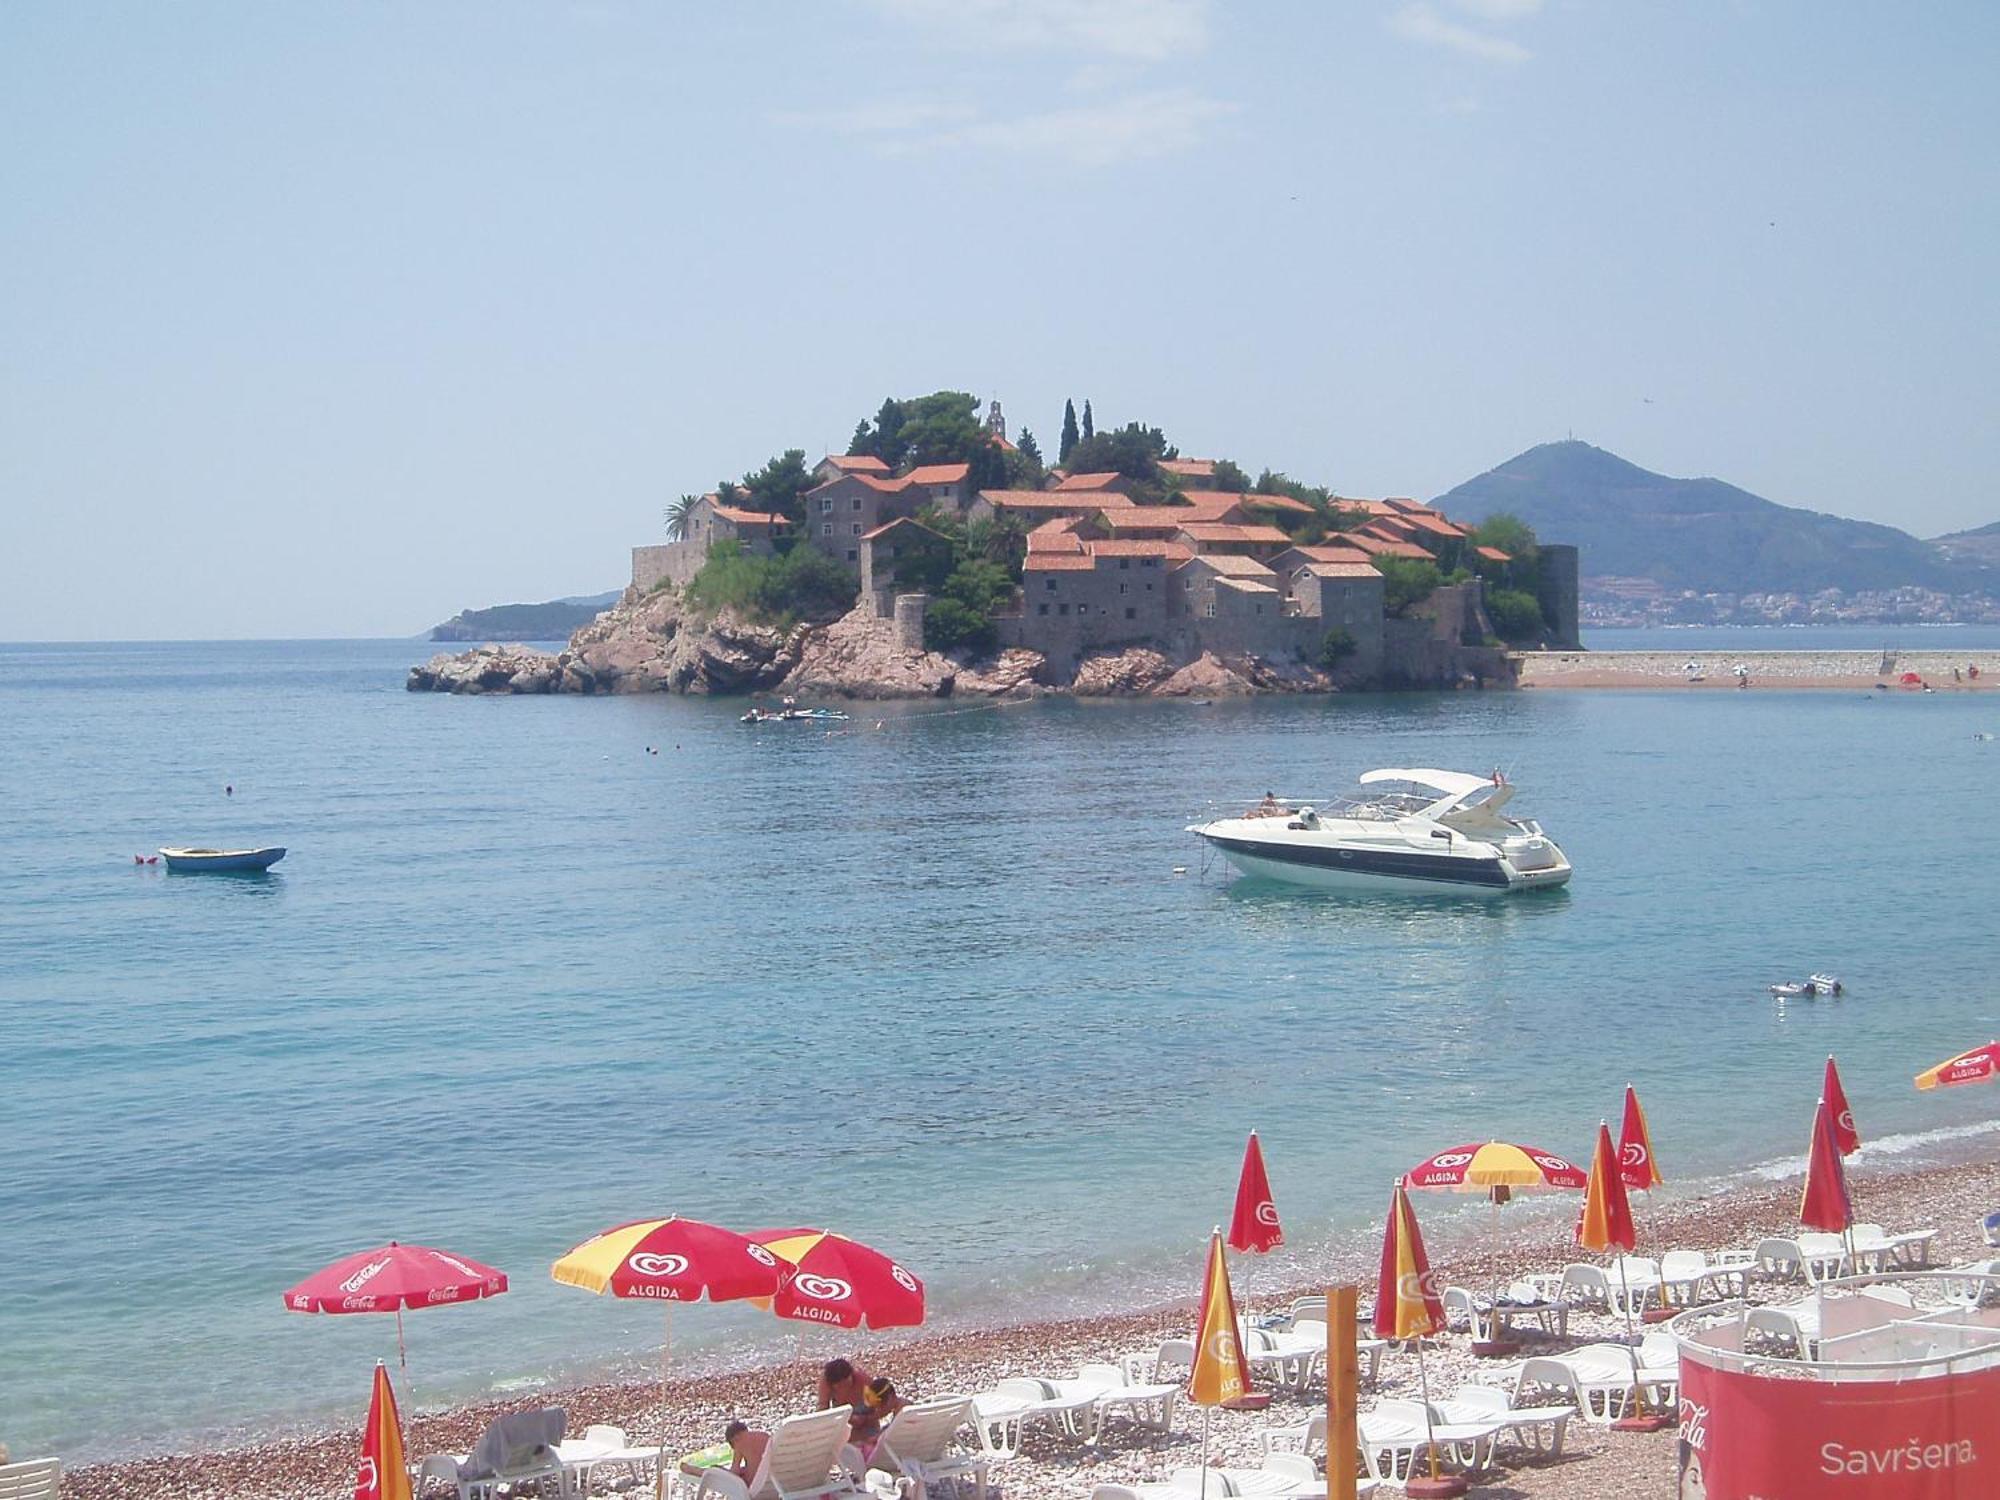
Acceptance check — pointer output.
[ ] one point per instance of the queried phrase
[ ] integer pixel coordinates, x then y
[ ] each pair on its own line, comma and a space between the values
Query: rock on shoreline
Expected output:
653, 644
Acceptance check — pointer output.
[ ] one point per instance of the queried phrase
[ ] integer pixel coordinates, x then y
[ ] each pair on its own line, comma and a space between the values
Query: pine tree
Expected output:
1089, 428
1029, 448
1069, 433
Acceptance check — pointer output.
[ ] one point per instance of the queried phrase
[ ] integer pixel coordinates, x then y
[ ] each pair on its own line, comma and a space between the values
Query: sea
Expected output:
951, 978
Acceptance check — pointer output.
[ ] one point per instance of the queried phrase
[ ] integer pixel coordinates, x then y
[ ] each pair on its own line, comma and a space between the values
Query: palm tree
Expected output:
678, 515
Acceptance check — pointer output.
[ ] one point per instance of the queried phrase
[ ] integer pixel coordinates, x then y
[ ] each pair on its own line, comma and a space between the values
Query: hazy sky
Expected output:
332, 319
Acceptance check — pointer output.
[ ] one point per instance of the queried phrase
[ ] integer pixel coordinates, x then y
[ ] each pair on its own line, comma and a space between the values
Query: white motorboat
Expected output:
1410, 830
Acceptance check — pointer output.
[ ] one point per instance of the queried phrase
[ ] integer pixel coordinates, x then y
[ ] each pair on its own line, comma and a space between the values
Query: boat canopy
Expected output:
1451, 783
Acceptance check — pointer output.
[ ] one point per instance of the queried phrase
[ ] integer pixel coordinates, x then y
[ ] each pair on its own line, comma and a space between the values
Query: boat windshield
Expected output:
1401, 799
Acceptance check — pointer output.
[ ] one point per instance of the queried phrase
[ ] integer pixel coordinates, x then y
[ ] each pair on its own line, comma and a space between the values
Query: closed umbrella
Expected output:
670, 1260
1845, 1135
383, 1473
1254, 1227
1636, 1163
1220, 1375
1408, 1307
1605, 1225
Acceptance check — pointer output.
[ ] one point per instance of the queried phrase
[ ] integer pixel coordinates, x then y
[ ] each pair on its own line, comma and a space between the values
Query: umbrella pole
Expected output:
402, 1359
1638, 1391
666, 1344
1206, 1413
1424, 1385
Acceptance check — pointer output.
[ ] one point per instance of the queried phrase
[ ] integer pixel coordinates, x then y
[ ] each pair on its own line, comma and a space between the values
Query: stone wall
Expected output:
670, 562
1559, 595
910, 610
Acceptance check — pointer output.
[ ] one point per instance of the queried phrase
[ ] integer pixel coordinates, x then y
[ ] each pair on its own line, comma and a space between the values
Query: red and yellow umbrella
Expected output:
382, 1473
670, 1260
1220, 1376
1844, 1133
1494, 1165
1407, 1301
1606, 1221
1976, 1066
828, 1278
1635, 1146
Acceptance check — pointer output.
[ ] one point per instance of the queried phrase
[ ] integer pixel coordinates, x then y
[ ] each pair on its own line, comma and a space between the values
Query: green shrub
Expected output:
803, 583
952, 625
1336, 646
1406, 582
1515, 614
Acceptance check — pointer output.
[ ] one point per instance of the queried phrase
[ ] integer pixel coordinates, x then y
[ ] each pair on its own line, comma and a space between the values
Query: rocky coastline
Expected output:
652, 643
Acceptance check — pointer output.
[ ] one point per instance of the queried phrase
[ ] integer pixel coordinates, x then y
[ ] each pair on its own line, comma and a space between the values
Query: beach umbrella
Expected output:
1636, 1163
670, 1260
1844, 1133
1605, 1225
1497, 1168
1826, 1204
829, 1278
1254, 1228
383, 1474
392, 1277
1976, 1066
1408, 1307
1220, 1375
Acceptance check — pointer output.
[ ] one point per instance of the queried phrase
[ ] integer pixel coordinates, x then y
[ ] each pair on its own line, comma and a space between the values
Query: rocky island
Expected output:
936, 557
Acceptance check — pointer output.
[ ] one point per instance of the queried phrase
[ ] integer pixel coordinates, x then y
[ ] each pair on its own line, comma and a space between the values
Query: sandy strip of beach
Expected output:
1595, 1462
1857, 671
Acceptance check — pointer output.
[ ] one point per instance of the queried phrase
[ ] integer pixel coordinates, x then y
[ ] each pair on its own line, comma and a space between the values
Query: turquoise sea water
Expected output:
936, 985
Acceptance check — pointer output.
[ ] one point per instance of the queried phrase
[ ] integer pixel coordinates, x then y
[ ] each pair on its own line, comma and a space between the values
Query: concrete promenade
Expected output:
1782, 669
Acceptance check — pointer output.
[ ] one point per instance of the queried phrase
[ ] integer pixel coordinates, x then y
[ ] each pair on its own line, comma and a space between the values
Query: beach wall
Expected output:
1717, 669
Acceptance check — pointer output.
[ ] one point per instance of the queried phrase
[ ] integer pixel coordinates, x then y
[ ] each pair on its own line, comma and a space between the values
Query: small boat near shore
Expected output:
794, 716
1812, 987
1412, 831
221, 861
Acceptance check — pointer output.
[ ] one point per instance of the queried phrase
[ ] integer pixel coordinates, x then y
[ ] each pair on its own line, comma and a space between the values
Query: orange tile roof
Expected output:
939, 474
1375, 546
1050, 500
1342, 570
1366, 507
1245, 585
748, 517
1426, 521
1237, 567
1279, 502
1137, 547
1211, 497
1200, 532
1189, 468
1134, 517
1331, 554
1055, 537
869, 536
1090, 481
1057, 562
1404, 503
856, 463
886, 486
1493, 554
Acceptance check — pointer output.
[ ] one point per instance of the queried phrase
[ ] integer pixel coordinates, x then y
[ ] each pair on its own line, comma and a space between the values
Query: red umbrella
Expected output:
828, 1278
391, 1278
1825, 1205
1254, 1229
1635, 1146
1844, 1133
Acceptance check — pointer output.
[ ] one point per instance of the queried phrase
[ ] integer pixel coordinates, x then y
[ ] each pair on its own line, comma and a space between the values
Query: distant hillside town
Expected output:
957, 538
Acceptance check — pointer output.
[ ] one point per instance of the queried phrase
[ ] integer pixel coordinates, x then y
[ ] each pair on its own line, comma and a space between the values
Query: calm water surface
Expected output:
936, 984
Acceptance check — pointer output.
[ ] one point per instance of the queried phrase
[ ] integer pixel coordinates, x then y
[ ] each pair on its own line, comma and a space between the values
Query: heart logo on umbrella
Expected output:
822, 1288
903, 1278
658, 1265
1267, 1212
1633, 1154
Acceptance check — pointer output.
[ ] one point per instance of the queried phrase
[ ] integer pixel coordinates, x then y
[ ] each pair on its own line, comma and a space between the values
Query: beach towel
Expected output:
520, 1440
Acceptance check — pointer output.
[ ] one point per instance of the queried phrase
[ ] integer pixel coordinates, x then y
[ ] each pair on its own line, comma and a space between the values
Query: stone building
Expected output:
834, 465
901, 556
842, 511
707, 522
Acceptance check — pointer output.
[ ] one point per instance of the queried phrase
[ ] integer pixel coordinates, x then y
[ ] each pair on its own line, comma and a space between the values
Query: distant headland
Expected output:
938, 555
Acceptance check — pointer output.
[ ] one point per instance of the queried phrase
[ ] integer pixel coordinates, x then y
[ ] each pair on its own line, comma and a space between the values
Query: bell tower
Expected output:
995, 423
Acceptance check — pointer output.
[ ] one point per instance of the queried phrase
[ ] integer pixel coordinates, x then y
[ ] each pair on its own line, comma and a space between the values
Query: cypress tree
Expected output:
1069, 433
1089, 428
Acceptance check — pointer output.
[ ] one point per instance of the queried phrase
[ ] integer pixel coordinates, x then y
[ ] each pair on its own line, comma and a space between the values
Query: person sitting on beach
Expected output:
746, 1447
879, 1402
841, 1384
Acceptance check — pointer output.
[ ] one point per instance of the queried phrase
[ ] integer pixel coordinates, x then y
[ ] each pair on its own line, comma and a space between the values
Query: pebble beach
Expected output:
1861, 671
1951, 1198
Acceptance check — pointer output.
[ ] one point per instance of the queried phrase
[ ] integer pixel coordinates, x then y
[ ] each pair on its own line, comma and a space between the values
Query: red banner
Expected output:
1758, 1437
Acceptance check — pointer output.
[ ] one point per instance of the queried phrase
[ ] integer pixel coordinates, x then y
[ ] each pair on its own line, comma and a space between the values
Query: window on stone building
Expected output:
856, 528
1042, 609
1131, 613
1208, 610
850, 554
826, 506
1062, 609
826, 528
857, 502
1125, 563
1052, 584
1121, 588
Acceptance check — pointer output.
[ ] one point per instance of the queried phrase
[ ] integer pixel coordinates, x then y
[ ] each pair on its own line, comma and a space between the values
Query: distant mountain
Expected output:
1980, 545
1701, 534
552, 621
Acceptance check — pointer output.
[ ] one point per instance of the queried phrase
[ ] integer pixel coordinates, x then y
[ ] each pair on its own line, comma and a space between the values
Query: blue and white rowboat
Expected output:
207, 860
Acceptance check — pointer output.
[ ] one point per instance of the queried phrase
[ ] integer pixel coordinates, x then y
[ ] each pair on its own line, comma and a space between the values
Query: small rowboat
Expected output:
222, 860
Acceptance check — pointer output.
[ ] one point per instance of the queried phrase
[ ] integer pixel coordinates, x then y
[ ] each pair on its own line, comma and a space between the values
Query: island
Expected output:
938, 556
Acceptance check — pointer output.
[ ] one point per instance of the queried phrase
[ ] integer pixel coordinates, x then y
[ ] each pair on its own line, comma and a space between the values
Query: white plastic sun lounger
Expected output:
1285, 1477
1533, 1429
919, 1444
32, 1479
1689, 1277
1598, 1378
1114, 1392
1016, 1405
1875, 1249
801, 1462
1396, 1439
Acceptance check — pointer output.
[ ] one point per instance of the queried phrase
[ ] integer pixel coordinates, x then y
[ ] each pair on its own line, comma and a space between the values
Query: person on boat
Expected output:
1270, 807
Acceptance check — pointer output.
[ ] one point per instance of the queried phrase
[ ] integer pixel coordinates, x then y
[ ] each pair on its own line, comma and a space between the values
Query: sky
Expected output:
331, 320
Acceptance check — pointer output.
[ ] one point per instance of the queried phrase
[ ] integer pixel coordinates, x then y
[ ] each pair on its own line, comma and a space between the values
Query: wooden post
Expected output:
1343, 1387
